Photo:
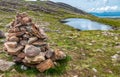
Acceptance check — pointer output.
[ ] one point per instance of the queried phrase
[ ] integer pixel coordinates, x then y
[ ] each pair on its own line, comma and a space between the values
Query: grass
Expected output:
86, 50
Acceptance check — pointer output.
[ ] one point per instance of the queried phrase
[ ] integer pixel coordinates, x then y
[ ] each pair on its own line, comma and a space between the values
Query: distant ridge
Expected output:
106, 14
42, 6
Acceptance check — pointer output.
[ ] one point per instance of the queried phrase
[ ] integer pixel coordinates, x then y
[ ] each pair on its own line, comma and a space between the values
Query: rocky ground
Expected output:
89, 53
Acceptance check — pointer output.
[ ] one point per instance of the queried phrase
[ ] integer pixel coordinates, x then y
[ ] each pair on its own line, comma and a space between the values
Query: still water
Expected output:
85, 24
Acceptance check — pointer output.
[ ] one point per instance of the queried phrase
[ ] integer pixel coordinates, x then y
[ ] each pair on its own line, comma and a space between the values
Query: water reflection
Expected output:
85, 24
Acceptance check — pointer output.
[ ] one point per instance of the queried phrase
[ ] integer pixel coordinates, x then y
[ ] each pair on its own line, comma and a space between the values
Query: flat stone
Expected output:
23, 42
32, 39
21, 55
5, 65
31, 50
37, 32
14, 39
118, 47
39, 43
16, 34
17, 59
42, 32
34, 60
11, 44
14, 51
22, 28
45, 65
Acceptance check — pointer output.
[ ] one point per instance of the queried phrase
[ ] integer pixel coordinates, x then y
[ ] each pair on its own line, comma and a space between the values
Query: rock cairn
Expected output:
26, 43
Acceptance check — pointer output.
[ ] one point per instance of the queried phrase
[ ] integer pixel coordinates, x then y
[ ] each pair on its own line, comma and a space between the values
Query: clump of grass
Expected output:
60, 68
57, 70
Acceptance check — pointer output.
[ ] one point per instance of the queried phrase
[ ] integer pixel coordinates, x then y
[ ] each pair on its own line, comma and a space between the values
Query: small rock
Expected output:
13, 70
17, 59
21, 55
90, 44
23, 42
23, 67
14, 39
26, 36
94, 69
11, 44
31, 51
45, 65
116, 58
49, 54
2, 35
58, 55
42, 32
5, 65
14, 51
34, 60
15, 34
39, 43
75, 76
118, 47
32, 39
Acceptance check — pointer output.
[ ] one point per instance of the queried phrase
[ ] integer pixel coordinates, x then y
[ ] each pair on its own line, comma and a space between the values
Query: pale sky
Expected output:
94, 5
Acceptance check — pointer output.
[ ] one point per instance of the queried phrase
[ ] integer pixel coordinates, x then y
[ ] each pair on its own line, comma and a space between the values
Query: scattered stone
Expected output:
94, 69
23, 67
5, 65
47, 64
116, 58
118, 47
58, 55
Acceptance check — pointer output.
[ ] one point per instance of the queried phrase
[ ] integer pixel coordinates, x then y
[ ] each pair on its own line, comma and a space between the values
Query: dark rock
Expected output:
21, 55
49, 54
2, 35
5, 65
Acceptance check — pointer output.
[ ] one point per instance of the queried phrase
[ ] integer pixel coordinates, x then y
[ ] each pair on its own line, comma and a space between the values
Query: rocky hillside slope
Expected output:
42, 6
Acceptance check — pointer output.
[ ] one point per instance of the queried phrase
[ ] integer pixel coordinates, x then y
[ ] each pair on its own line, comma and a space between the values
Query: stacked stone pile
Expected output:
26, 43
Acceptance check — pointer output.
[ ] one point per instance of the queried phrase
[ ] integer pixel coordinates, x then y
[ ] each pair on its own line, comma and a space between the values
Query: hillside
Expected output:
43, 6
89, 52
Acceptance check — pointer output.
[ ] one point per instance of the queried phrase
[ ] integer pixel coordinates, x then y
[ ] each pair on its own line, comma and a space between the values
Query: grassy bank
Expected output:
90, 51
